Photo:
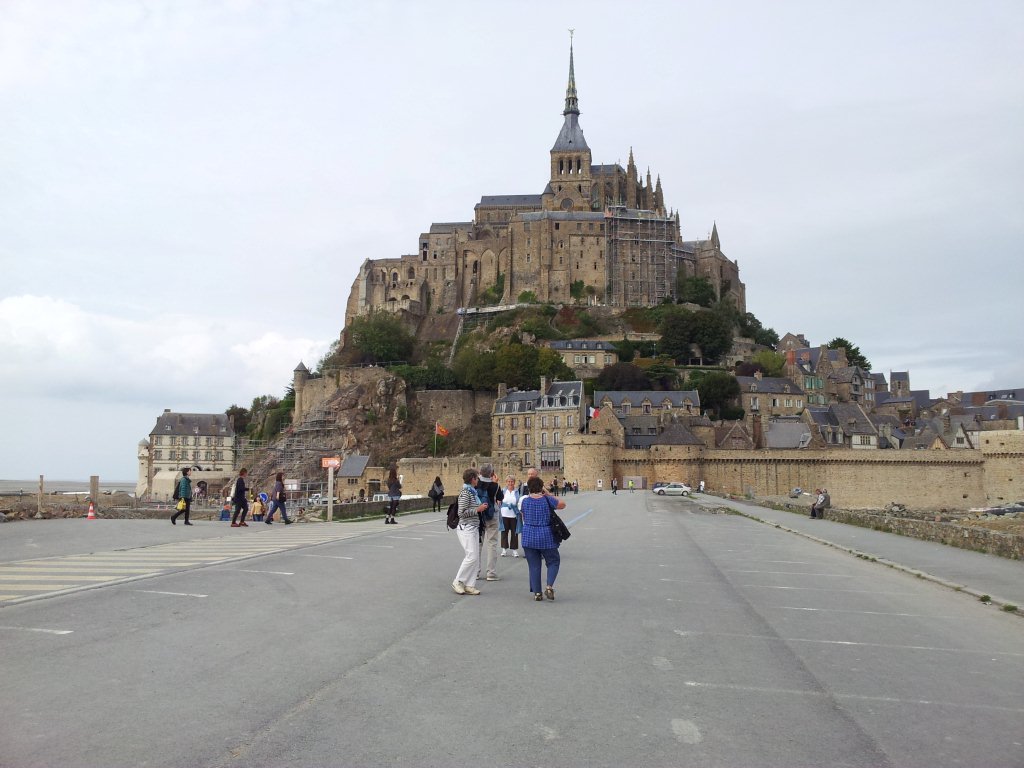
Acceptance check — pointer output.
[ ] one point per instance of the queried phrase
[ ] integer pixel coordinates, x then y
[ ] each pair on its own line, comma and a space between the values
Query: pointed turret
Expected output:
570, 138
631, 181
714, 235
659, 198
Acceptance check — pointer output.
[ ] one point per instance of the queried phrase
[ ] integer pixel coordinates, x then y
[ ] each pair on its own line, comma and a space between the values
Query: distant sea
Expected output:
31, 487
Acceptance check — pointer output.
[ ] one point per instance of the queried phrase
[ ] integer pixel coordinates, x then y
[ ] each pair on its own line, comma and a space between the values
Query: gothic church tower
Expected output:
570, 184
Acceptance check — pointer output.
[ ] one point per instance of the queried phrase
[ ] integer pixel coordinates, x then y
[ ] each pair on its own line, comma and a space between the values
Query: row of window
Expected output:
556, 439
184, 455
173, 440
555, 421
755, 402
590, 359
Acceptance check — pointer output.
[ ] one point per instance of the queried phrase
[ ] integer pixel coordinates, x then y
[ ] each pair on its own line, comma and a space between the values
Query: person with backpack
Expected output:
278, 497
468, 530
490, 494
183, 495
539, 539
436, 493
240, 500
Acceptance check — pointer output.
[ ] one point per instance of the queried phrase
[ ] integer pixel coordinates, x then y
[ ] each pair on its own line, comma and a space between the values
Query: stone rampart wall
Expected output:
453, 408
966, 537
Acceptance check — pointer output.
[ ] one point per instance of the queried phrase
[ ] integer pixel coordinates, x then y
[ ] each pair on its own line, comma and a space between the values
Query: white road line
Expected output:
972, 651
44, 631
407, 538
376, 546
851, 696
275, 573
175, 594
828, 589
793, 573
867, 613
9, 577
331, 557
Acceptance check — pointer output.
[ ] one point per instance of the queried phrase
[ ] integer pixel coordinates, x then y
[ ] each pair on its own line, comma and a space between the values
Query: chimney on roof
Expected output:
167, 410
543, 385
758, 375
502, 390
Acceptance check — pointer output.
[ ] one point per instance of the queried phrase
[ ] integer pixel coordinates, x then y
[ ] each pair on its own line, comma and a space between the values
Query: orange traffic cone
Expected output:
92, 512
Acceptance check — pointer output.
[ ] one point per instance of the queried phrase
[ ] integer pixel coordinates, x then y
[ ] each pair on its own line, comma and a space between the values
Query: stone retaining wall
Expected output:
1007, 545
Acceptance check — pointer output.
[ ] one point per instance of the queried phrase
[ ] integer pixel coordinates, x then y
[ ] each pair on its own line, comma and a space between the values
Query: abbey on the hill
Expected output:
597, 234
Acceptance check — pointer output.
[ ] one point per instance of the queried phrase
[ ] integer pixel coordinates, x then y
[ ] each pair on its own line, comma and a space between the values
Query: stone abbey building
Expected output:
600, 228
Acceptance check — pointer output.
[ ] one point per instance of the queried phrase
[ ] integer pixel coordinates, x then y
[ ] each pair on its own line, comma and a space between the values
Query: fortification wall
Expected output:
1004, 466
453, 408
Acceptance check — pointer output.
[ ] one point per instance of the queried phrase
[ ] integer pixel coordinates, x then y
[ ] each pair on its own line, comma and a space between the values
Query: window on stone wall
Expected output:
501, 441
501, 423
527, 421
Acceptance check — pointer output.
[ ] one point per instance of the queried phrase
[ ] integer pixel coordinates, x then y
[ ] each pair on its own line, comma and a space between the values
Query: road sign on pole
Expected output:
330, 463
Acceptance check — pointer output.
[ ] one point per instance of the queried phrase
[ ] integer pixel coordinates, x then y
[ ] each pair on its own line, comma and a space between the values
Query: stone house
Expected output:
648, 402
586, 357
203, 441
528, 427
843, 425
767, 396
851, 384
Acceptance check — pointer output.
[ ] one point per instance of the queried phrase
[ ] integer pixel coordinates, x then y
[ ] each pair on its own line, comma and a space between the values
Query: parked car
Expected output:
656, 486
673, 489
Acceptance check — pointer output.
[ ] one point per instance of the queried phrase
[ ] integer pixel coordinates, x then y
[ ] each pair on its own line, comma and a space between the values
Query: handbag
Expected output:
180, 506
558, 528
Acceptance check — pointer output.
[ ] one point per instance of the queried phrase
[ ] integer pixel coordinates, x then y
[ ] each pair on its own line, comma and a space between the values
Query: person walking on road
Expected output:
278, 497
469, 535
701, 487
490, 494
631, 487
615, 486
538, 538
437, 493
184, 494
240, 500
511, 521
394, 496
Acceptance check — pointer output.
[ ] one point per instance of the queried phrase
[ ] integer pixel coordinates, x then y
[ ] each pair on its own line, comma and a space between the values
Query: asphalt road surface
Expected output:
678, 637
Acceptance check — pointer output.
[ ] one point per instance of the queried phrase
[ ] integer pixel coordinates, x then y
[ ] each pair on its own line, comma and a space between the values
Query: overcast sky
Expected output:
187, 188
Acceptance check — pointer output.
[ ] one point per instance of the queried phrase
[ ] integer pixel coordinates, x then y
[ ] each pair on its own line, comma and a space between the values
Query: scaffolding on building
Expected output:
641, 260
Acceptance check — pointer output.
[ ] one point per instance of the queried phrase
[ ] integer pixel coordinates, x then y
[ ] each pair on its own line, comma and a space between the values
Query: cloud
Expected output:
58, 349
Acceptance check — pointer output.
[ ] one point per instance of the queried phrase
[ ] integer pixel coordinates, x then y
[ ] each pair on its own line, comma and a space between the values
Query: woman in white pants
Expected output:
469, 535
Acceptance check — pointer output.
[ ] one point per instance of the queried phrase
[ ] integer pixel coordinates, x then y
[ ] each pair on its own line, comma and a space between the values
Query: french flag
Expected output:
592, 412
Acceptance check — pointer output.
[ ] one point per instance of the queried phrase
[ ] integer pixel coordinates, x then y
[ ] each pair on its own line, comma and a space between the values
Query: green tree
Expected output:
620, 377
239, 418
712, 332
751, 328
853, 353
771, 363
379, 337
551, 364
474, 368
663, 374
677, 331
695, 290
576, 289
717, 390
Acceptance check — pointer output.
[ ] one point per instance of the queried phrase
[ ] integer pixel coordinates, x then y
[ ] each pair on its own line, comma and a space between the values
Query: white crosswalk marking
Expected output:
30, 579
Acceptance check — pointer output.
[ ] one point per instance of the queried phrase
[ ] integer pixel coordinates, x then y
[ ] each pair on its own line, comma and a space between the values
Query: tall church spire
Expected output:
572, 103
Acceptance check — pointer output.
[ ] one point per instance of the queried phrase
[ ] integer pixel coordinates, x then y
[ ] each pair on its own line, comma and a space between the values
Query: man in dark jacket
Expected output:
240, 499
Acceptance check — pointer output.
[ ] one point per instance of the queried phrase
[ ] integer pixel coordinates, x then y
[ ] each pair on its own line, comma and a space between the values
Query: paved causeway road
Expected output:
679, 637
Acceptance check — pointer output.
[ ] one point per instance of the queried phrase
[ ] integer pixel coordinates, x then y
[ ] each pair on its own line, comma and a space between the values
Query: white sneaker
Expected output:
515, 553
459, 587
504, 552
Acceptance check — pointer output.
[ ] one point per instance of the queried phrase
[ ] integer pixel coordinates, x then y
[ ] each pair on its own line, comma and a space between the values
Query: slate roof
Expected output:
673, 433
786, 434
196, 424
570, 138
769, 384
851, 419
562, 393
996, 395
447, 227
353, 466
636, 397
880, 383
606, 169
505, 201
899, 376
562, 216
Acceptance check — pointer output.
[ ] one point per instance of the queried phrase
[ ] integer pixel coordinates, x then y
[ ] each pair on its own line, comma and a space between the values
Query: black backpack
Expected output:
453, 515
176, 495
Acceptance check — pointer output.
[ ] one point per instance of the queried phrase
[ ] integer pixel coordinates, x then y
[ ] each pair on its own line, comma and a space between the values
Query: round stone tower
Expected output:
588, 459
